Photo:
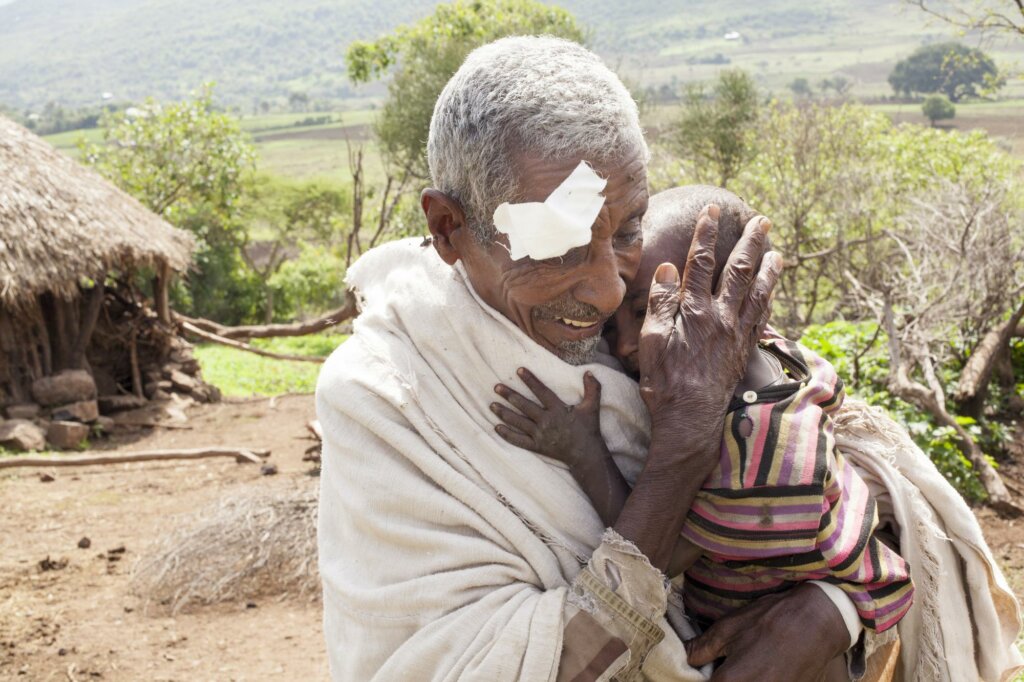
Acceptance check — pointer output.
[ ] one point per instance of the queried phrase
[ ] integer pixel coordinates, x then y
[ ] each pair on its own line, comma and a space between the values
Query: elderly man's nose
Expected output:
602, 285
603, 290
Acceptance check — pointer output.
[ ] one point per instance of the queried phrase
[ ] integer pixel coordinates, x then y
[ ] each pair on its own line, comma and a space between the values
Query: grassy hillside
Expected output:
264, 50
256, 50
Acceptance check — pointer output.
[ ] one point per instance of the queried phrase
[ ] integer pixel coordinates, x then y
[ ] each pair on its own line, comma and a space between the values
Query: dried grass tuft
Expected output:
261, 544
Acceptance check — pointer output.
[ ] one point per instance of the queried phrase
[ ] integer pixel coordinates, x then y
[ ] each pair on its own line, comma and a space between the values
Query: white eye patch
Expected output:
562, 222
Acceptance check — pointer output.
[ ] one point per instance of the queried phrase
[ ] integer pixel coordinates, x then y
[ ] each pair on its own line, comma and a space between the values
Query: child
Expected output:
782, 505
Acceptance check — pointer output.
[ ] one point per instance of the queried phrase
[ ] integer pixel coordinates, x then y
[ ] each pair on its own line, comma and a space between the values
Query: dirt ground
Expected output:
79, 621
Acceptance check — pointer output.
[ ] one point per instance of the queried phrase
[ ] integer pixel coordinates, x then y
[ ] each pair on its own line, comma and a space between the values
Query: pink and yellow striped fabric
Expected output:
784, 506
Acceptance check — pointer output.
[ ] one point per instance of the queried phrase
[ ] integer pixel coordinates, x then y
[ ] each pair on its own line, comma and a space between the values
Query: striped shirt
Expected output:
784, 506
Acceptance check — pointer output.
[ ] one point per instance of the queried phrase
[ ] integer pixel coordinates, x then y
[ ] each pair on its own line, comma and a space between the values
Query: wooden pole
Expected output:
347, 311
133, 356
207, 336
87, 325
241, 455
161, 284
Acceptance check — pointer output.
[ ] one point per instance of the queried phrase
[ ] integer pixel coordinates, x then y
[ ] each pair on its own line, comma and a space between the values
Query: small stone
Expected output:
69, 386
23, 411
85, 411
104, 424
66, 435
268, 469
22, 434
62, 652
182, 381
250, 604
120, 549
46, 478
84, 543
49, 564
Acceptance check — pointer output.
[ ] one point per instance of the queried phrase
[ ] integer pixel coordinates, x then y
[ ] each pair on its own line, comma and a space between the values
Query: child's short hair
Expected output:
676, 210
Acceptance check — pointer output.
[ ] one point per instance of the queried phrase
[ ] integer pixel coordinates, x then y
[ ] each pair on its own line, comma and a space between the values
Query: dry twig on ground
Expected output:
87, 459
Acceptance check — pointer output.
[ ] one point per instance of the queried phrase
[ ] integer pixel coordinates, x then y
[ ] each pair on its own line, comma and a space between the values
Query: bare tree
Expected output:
818, 182
960, 271
396, 182
985, 16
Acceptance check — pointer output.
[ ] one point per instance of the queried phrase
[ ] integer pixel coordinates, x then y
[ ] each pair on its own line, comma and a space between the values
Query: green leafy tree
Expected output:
190, 164
953, 69
801, 87
421, 57
839, 83
710, 136
937, 107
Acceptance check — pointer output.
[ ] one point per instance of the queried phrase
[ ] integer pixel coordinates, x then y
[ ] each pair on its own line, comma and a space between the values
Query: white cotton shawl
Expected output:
446, 552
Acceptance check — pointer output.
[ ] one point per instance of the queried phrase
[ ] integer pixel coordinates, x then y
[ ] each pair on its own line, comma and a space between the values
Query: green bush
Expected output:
311, 283
937, 107
858, 352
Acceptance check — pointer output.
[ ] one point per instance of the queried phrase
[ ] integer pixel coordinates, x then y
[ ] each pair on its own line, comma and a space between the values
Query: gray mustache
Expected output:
567, 306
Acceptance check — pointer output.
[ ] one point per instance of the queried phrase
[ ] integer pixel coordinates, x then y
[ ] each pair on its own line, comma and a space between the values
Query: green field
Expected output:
286, 149
238, 373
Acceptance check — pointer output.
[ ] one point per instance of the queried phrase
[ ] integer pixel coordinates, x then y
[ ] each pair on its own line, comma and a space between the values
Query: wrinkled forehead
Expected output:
660, 246
537, 176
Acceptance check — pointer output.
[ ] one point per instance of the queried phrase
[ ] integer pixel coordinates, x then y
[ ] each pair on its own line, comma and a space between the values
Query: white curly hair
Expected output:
535, 94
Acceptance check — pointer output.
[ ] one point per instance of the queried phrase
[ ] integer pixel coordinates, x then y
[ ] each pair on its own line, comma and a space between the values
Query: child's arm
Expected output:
571, 435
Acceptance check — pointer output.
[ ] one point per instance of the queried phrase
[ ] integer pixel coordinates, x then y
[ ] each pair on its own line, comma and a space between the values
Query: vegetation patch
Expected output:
239, 374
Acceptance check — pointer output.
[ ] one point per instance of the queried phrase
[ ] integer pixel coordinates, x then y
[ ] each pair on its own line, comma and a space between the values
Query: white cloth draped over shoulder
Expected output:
447, 553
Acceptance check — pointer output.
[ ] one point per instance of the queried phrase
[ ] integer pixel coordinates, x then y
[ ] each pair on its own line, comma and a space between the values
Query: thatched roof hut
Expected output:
61, 222
73, 249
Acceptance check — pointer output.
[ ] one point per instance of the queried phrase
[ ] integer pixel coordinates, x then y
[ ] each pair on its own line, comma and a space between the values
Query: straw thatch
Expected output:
61, 222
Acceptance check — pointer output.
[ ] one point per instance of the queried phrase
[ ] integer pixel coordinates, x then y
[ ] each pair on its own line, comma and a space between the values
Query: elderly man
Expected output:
447, 553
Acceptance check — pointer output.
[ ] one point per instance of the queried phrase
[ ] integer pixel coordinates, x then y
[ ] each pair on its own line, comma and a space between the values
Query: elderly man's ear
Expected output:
447, 224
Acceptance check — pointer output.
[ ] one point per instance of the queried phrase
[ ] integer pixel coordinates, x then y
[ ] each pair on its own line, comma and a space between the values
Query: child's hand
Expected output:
569, 434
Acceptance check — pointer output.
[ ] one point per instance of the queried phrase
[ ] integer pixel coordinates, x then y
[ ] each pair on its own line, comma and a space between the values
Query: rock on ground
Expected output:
22, 434
69, 386
83, 411
66, 435
23, 411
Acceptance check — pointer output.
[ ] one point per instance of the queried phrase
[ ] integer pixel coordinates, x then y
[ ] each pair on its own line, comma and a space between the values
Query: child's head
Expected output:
668, 230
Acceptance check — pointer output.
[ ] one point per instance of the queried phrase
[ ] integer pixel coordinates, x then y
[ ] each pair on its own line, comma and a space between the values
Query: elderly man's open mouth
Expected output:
569, 319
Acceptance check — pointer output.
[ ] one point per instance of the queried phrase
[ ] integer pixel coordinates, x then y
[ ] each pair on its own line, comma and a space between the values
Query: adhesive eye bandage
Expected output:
562, 222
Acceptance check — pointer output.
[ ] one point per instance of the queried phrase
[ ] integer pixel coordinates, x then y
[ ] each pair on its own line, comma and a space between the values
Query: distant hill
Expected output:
72, 52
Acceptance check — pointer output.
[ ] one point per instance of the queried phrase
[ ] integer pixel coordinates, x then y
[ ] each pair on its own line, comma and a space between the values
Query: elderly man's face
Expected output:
561, 303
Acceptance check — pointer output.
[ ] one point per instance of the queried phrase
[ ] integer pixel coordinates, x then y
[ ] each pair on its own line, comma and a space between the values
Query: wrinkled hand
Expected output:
788, 637
695, 342
552, 428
